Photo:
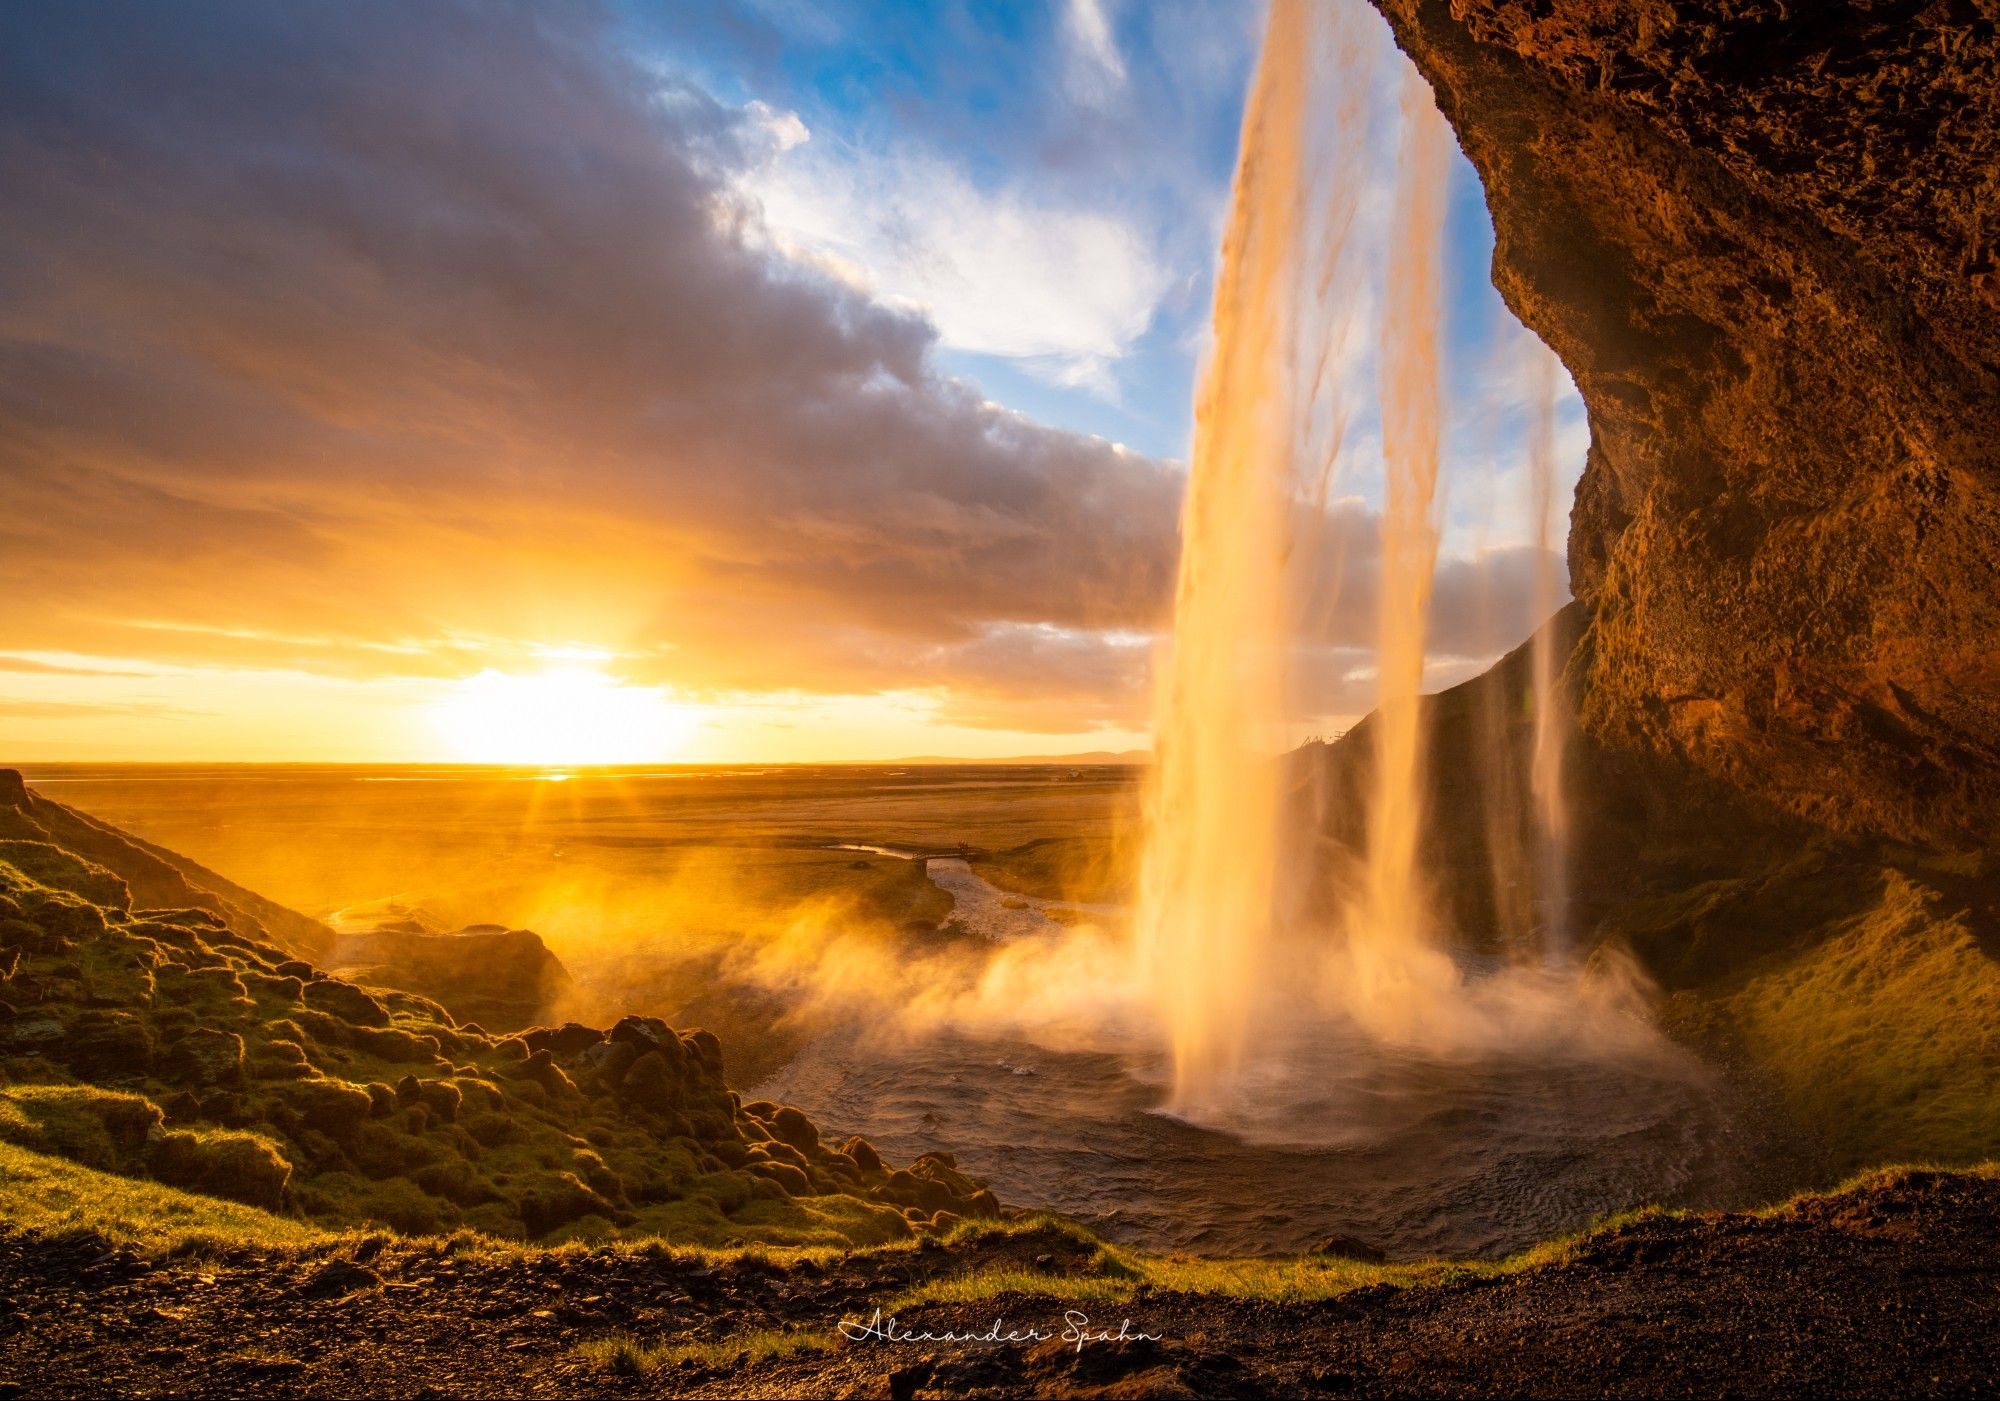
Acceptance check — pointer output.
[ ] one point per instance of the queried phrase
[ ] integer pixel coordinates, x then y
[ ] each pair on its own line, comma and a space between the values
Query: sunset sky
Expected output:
762, 380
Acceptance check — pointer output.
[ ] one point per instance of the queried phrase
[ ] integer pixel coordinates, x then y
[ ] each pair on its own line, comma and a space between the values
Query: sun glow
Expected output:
562, 715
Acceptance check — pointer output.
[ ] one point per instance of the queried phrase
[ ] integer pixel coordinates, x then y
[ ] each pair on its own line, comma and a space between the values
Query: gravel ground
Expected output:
1891, 1289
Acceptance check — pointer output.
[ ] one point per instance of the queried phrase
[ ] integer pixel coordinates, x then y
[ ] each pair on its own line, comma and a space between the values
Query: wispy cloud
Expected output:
40, 668
92, 710
1094, 69
998, 271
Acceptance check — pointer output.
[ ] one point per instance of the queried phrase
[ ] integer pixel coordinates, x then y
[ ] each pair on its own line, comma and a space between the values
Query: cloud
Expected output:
1001, 272
1094, 70
332, 339
371, 340
39, 668
92, 710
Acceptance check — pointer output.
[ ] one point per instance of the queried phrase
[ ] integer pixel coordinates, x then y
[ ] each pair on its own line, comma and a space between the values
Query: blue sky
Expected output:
1008, 99
1112, 110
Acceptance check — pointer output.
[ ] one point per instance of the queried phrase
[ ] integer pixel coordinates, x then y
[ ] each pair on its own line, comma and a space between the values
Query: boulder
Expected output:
795, 1128
346, 1001
240, 1166
204, 1057
793, 1180
497, 977
651, 1083
646, 1033
610, 1059
1351, 1248
107, 1045
565, 1042
332, 1107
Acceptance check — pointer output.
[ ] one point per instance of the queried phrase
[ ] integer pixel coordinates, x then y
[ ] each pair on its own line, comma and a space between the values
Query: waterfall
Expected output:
1222, 953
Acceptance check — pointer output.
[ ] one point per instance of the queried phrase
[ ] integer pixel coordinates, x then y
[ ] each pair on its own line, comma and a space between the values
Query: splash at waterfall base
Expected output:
1543, 1101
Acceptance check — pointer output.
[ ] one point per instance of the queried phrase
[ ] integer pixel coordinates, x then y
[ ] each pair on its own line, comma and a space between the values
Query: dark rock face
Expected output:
501, 978
1763, 239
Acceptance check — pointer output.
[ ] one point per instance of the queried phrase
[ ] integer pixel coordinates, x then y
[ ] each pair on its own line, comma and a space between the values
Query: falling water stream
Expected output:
1212, 840
1546, 764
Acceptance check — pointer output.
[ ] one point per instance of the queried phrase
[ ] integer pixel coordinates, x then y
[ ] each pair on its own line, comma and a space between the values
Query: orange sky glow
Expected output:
443, 395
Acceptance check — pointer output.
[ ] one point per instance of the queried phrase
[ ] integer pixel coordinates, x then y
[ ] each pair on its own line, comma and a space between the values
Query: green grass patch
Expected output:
45, 1193
627, 1356
101, 1129
1884, 1036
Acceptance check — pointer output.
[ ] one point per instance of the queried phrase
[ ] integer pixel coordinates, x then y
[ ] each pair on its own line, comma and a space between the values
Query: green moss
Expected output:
395, 1203
242, 1167
1885, 1036
103, 1129
39, 863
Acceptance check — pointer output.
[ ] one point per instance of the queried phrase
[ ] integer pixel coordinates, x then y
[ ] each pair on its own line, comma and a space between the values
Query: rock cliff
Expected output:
1763, 239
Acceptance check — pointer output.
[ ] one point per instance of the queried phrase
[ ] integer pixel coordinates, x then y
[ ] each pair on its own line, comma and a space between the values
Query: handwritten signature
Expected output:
1076, 1329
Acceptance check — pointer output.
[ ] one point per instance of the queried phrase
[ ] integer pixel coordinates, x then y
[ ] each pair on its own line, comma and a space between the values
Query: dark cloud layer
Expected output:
377, 338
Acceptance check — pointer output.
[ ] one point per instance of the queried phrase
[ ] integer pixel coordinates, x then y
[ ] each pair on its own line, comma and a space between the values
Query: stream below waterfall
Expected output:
1416, 1155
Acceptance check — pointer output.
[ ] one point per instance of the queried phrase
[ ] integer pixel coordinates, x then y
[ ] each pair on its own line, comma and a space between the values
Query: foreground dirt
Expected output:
1891, 1289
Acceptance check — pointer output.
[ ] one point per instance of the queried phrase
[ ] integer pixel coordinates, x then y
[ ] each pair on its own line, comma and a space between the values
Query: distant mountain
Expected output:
1093, 756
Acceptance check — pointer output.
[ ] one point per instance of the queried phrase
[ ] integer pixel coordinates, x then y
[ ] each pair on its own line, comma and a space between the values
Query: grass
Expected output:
101, 1129
1884, 1035
1089, 869
1094, 1272
627, 1356
40, 1192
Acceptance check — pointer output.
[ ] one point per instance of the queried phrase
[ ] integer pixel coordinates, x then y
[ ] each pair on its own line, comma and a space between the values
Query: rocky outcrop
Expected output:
152, 875
1763, 238
164, 1043
504, 979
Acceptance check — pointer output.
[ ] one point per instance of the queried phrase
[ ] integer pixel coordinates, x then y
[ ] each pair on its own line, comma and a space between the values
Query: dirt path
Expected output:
1891, 1290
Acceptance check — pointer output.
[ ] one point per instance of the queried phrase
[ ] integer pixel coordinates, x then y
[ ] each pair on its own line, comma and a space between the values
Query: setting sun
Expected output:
561, 715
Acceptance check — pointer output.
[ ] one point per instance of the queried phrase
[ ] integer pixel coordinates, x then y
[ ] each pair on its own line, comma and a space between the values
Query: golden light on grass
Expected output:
562, 715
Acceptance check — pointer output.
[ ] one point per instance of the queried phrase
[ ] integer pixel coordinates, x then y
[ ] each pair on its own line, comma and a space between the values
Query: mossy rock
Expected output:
57, 869
203, 1056
332, 1107
795, 1128
863, 1153
793, 1180
397, 1046
553, 1199
243, 1167
65, 916
345, 1001
103, 1129
107, 1045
